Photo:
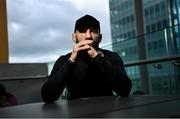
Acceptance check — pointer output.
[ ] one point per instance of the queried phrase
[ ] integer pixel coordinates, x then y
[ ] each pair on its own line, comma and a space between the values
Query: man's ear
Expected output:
74, 38
100, 38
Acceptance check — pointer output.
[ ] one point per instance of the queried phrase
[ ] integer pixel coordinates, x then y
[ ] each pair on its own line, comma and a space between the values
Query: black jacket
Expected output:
87, 77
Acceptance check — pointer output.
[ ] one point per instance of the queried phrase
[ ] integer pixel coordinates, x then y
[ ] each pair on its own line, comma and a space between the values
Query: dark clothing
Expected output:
10, 100
87, 77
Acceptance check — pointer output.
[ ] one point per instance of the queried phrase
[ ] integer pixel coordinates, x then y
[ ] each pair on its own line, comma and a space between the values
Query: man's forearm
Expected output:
52, 89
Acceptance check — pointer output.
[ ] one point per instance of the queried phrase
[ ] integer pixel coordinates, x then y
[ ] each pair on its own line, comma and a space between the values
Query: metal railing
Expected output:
174, 59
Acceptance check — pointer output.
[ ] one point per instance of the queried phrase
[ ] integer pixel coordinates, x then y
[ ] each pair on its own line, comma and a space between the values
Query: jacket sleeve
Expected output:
112, 67
56, 82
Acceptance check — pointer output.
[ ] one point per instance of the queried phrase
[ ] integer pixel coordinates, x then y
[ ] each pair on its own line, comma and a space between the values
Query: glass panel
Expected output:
162, 78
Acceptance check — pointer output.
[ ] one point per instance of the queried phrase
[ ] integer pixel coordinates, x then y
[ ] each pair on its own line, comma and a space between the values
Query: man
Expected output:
88, 70
6, 99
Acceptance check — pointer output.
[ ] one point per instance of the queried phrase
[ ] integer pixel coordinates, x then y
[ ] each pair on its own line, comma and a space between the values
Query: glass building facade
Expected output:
161, 36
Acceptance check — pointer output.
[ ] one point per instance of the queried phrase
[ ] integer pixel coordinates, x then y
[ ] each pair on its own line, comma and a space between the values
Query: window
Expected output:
165, 23
153, 27
157, 8
163, 6
132, 18
123, 21
128, 20
126, 4
155, 45
115, 12
151, 10
159, 25
146, 12
120, 22
124, 35
133, 33
149, 46
148, 29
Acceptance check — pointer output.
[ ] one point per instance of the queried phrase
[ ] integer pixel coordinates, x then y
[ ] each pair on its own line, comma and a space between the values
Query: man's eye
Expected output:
94, 30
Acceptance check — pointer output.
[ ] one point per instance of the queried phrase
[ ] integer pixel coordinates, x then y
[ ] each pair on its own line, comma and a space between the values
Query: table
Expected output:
132, 106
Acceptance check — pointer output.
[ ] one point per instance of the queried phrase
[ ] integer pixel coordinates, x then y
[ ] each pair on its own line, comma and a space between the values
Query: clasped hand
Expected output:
83, 45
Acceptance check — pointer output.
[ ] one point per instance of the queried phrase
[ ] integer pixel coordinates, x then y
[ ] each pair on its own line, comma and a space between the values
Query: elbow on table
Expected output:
123, 90
48, 96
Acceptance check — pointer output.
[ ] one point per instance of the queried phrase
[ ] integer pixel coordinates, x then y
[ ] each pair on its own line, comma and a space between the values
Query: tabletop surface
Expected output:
132, 106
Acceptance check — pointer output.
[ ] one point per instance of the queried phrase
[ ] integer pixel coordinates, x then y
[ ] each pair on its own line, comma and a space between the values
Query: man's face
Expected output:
88, 34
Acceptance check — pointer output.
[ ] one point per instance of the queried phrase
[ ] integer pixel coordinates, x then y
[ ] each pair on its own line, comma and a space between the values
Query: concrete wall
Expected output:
24, 80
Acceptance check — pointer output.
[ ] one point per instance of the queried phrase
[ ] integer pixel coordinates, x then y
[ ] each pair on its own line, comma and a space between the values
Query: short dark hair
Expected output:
86, 22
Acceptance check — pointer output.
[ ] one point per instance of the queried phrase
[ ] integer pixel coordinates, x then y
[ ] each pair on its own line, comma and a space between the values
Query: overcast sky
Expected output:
41, 30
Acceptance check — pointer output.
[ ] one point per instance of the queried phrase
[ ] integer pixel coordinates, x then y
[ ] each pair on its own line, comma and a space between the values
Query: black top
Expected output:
87, 77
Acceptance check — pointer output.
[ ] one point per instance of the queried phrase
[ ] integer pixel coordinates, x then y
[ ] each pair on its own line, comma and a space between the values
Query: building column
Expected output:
144, 77
4, 53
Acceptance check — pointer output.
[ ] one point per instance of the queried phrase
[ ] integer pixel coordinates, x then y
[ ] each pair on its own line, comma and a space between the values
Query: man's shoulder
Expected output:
107, 52
64, 57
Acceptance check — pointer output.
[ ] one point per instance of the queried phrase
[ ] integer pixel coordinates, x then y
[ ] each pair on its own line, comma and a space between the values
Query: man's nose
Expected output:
88, 34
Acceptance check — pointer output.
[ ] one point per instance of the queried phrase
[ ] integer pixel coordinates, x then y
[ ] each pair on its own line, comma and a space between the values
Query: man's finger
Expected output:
84, 42
86, 47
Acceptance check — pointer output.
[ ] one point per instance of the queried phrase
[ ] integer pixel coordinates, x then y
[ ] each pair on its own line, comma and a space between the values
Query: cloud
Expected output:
40, 30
